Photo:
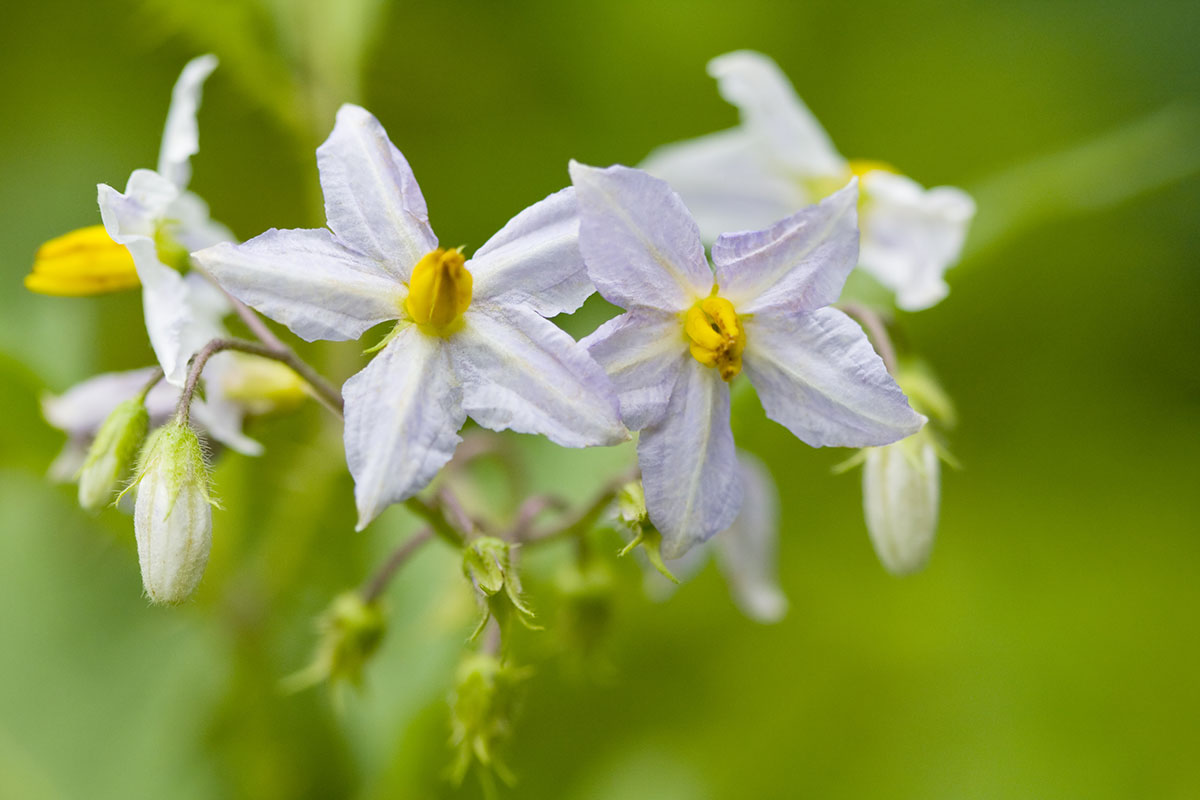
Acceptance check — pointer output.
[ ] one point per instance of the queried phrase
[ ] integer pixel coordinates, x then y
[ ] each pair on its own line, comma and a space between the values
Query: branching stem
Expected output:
379, 582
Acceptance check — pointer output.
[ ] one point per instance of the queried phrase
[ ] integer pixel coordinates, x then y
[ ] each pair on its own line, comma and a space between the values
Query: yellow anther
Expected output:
716, 336
80, 263
439, 290
861, 166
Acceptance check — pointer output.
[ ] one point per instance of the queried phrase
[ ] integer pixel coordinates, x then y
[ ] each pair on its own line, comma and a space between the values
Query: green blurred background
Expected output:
1049, 650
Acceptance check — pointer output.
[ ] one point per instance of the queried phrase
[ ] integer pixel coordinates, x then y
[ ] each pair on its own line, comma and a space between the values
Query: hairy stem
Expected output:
322, 390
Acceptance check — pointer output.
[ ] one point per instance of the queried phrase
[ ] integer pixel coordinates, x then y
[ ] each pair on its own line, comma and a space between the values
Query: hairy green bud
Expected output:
172, 517
112, 453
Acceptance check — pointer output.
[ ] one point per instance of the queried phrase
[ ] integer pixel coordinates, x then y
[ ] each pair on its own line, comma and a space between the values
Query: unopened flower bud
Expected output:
351, 630
481, 712
488, 564
112, 453
173, 514
900, 498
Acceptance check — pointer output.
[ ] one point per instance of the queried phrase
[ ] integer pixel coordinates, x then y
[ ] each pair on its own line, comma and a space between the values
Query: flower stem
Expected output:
380, 580
322, 389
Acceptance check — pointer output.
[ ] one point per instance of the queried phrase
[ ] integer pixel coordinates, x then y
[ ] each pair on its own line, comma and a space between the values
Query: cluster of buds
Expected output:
488, 564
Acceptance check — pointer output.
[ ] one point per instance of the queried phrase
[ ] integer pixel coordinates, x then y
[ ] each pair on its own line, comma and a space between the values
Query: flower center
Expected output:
439, 290
716, 336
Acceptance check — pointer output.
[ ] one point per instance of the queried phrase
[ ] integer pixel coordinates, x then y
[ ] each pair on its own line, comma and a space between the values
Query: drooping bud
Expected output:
487, 562
351, 630
83, 262
900, 499
173, 514
112, 453
440, 289
482, 709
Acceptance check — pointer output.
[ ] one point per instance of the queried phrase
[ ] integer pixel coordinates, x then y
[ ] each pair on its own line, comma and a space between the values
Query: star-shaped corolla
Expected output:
160, 222
780, 159
687, 333
471, 336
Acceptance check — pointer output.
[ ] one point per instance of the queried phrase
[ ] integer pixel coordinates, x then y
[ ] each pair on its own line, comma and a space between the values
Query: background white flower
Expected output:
160, 222
780, 159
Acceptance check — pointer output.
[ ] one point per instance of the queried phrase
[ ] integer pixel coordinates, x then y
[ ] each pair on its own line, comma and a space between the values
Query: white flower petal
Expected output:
191, 225
372, 200
726, 182
689, 467
82, 409
911, 236
181, 136
403, 413
535, 259
900, 498
772, 111
748, 550
642, 351
307, 280
817, 375
137, 211
521, 372
641, 246
798, 264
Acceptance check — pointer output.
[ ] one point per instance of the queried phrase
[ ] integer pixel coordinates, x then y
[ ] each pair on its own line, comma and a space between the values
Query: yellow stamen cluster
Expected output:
83, 262
717, 337
439, 290
859, 167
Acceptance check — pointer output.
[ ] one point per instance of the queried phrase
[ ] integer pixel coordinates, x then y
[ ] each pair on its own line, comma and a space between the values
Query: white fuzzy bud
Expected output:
112, 453
173, 514
900, 498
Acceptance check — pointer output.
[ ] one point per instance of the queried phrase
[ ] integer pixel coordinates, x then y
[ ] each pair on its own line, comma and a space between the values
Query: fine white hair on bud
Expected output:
900, 499
173, 514
112, 453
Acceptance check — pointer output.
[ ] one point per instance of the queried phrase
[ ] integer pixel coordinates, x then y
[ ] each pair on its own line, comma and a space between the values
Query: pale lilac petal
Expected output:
535, 259
188, 221
641, 246
689, 467
817, 375
181, 136
772, 112
798, 264
82, 409
901, 487
307, 280
727, 182
372, 200
911, 236
403, 414
521, 372
642, 351
748, 550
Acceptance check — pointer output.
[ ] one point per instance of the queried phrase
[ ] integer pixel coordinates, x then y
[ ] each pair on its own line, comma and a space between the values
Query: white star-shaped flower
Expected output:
160, 222
780, 159
471, 337
687, 333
